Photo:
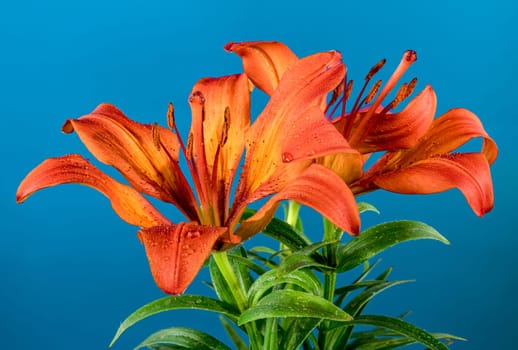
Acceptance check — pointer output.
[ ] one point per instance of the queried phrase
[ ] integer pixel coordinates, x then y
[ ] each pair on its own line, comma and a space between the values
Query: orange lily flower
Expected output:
280, 146
430, 166
419, 156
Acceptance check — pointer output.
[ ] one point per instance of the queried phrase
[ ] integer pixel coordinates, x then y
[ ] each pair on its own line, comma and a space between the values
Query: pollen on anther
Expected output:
375, 69
226, 126
156, 136
373, 92
410, 87
337, 92
170, 116
400, 96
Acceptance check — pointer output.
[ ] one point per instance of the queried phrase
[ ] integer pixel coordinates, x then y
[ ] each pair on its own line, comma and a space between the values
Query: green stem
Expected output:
239, 295
330, 234
292, 215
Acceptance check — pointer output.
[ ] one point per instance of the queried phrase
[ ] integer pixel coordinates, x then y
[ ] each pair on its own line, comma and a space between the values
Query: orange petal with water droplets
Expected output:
402, 129
176, 253
318, 188
130, 205
216, 139
149, 162
452, 130
264, 61
469, 172
292, 128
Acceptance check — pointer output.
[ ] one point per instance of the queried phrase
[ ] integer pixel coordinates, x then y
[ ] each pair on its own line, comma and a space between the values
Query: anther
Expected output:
373, 92
188, 150
226, 126
337, 92
375, 69
156, 136
348, 90
170, 116
411, 87
400, 96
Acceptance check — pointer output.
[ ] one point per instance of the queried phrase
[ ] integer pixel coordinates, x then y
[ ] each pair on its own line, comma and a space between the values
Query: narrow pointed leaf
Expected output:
401, 327
300, 278
173, 303
364, 206
370, 343
220, 285
233, 334
289, 303
282, 232
297, 330
359, 302
380, 237
185, 337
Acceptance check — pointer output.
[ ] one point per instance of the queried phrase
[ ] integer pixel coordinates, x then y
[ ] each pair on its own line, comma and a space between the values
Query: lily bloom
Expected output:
419, 150
431, 165
419, 156
279, 150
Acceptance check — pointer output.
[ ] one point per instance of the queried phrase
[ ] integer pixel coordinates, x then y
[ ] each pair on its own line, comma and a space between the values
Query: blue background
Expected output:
71, 270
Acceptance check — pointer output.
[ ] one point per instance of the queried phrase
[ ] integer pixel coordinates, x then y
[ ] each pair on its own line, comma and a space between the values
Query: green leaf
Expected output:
233, 334
185, 337
290, 303
378, 238
173, 303
240, 260
359, 302
220, 285
401, 327
242, 266
306, 280
282, 232
370, 343
364, 206
297, 331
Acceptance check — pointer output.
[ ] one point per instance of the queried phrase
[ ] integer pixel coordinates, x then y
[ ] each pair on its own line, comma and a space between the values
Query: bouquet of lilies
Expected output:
309, 146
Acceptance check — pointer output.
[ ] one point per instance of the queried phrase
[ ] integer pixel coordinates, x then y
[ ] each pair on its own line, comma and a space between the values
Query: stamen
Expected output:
337, 92
373, 92
226, 126
411, 87
375, 69
366, 124
188, 150
170, 116
156, 136
348, 90
400, 96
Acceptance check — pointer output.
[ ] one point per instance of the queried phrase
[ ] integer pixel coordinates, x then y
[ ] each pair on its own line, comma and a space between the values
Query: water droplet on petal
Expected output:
287, 157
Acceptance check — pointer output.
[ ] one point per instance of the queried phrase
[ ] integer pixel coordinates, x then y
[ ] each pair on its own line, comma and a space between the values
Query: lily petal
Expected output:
219, 130
177, 252
469, 172
264, 61
318, 188
346, 165
292, 130
147, 159
130, 205
452, 130
403, 129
